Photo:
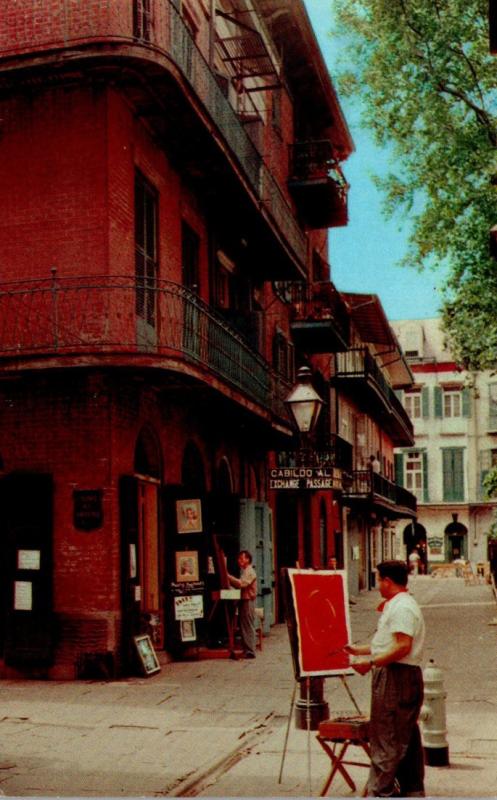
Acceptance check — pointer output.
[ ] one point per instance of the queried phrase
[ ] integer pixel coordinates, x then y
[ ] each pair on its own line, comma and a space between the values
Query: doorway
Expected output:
141, 579
26, 570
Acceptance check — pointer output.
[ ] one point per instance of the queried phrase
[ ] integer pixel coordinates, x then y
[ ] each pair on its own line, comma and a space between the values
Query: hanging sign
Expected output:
305, 478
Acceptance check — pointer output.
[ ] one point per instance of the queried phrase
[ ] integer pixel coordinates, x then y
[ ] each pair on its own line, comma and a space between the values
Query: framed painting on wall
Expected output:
189, 516
187, 566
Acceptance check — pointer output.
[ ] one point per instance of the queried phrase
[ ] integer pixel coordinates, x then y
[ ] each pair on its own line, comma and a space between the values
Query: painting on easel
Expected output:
317, 611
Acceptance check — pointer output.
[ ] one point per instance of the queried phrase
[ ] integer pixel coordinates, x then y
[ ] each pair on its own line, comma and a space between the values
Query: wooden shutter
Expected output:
426, 494
453, 475
399, 469
466, 402
437, 400
425, 402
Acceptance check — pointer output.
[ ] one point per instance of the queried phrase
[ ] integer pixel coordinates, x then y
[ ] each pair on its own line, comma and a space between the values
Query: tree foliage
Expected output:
428, 88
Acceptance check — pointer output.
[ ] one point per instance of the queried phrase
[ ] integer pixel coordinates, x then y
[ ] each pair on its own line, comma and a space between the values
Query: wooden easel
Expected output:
344, 731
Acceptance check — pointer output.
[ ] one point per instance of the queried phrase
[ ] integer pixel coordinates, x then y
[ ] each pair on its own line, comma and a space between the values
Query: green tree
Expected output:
428, 88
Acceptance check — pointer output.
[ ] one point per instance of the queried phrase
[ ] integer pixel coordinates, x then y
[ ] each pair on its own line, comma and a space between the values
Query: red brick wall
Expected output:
53, 189
26, 25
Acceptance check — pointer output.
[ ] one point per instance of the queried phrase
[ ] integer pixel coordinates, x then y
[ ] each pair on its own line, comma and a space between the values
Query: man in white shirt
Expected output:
394, 656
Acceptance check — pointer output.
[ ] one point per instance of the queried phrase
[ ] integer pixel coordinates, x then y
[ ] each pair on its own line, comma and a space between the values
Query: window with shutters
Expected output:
414, 473
190, 246
487, 461
142, 19
413, 404
283, 356
452, 404
492, 407
453, 474
146, 263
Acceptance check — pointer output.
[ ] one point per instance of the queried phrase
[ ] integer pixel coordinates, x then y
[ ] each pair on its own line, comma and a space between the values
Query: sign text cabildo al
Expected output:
305, 478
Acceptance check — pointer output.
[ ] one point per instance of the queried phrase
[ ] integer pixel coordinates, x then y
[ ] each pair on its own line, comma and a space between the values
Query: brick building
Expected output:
169, 169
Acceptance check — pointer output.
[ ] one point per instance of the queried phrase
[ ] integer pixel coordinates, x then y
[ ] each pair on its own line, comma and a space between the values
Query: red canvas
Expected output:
322, 615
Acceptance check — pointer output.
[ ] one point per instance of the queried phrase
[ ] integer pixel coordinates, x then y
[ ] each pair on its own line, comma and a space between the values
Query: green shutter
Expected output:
426, 495
399, 468
466, 403
437, 400
453, 474
425, 402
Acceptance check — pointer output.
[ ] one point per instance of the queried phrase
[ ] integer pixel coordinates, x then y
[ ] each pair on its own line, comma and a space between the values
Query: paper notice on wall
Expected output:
189, 607
28, 559
23, 596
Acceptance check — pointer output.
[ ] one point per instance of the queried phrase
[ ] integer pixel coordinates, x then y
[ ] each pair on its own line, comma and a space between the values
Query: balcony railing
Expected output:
31, 28
366, 484
99, 315
317, 184
335, 452
314, 159
318, 302
358, 364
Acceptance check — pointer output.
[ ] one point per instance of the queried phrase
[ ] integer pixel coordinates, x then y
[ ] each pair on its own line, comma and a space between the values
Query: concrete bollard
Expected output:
433, 720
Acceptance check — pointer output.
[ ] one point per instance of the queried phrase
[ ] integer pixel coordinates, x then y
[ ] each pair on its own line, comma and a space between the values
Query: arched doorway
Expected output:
414, 537
141, 564
456, 540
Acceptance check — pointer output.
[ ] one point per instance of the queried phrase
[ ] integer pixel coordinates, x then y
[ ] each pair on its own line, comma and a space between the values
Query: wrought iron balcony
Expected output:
319, 320
154, 323
364, 485
114, 32
334, 452
358, 373
318, 184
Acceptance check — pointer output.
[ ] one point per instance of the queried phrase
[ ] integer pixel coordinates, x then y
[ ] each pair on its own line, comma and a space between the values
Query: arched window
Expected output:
192, 470
148, 457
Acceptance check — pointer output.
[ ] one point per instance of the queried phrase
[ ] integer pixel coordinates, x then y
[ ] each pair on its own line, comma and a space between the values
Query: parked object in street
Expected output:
432, 716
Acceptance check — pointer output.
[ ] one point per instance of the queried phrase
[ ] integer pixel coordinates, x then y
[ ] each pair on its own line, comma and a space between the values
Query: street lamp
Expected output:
304, 402
305, 406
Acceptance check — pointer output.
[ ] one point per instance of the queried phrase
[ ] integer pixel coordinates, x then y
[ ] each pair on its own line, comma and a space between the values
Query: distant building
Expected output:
455, 426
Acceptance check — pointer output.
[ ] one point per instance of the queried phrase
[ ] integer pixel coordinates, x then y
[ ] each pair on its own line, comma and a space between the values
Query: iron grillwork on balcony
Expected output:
319, 317
358, 373
364, 485
334, 452
318, 185
101, 316
159, 35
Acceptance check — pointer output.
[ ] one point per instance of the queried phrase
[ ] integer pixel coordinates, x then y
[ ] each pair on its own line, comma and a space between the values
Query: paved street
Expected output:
217, 728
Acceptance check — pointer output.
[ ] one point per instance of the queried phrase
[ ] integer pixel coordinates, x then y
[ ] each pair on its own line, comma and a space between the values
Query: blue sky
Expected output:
364, 255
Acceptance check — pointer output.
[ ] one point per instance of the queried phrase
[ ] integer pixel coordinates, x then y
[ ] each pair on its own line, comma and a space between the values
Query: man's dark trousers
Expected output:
395, 740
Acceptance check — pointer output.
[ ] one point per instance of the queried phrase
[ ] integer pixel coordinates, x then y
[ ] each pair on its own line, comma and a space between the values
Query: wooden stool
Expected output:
343, 731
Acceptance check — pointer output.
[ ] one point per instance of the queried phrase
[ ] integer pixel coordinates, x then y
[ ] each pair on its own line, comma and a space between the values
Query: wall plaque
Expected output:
88, 510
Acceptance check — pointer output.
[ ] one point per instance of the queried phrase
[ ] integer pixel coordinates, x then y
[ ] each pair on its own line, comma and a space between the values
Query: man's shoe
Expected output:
249, 655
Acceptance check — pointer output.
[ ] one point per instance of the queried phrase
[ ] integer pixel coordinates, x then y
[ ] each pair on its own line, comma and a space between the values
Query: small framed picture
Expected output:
189, 516
188, 631
147, 655
187, 566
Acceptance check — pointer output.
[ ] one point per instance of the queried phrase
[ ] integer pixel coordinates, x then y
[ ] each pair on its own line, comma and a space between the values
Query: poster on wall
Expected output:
189, 607
318, 621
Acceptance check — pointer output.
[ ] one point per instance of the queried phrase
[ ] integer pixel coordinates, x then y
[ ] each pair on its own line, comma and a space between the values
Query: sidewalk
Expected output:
217, 728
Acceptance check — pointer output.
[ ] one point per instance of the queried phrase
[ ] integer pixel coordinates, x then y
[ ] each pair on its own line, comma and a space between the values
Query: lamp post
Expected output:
305, 406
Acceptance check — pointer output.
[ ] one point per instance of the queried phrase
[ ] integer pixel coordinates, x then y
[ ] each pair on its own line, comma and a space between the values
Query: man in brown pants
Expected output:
394, 656
247, 583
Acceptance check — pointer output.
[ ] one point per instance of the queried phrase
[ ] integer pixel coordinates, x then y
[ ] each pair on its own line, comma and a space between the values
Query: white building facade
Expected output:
454, 413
